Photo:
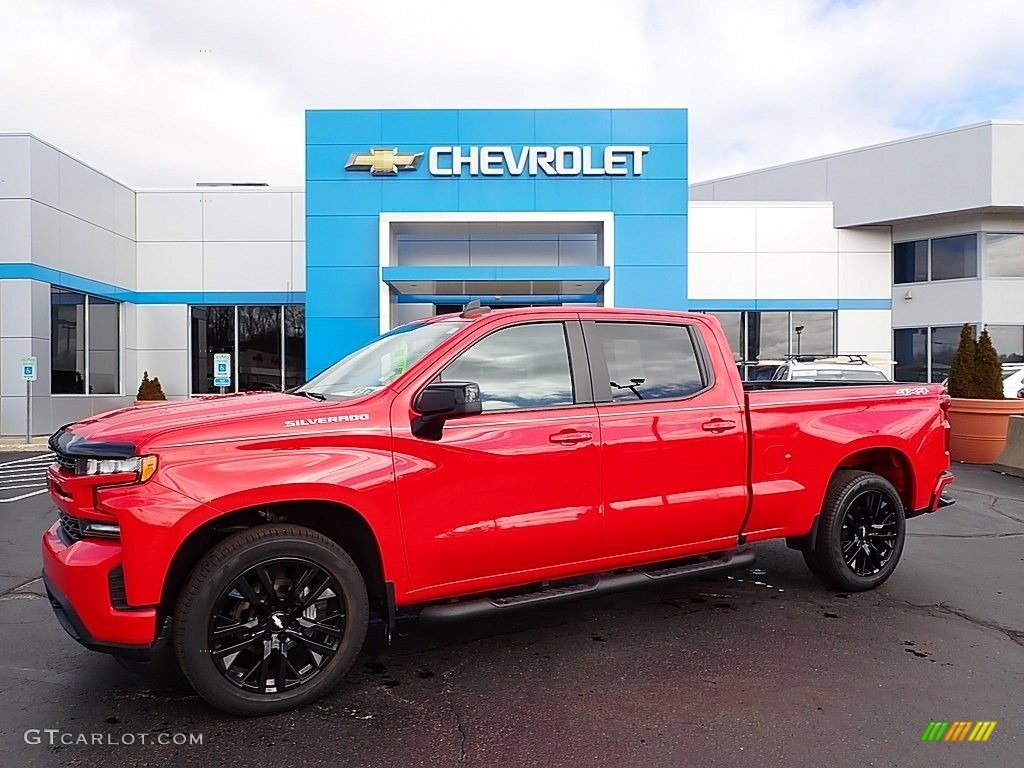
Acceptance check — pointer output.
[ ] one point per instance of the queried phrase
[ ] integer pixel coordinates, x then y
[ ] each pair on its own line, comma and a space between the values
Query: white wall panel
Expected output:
724, 228
45, 173
171, 366
126, 262
247, 266
298, 266
947, 302
85, 193
1003, 301
721, 276
865, 239
865, 275
247, 216
130, 326
87, 250
863, 331
170, 267
46, 235
15, 230
795, 228
797, 275
15, 173
124, 211
298, 215
40, 309
162, 326
15, 308
169, 216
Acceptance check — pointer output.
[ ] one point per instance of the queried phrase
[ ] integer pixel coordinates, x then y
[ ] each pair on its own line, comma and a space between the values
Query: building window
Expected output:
1004, 255
767, 335
1008, 341
944, 341
84, 344
732, 324
910, 348
954, 257
759, 340
812, 333
910, 262
267, 345
294, 345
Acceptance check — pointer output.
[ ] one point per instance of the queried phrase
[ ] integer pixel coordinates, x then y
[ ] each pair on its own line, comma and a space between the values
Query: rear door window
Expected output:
648, 361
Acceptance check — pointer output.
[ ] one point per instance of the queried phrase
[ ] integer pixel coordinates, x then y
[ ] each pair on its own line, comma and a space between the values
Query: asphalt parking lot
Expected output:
757, 669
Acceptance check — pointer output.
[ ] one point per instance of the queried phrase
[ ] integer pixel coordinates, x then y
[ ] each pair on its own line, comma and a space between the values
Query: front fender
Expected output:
190, 491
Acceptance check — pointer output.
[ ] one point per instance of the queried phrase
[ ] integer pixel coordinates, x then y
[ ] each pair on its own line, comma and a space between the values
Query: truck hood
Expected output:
198, 418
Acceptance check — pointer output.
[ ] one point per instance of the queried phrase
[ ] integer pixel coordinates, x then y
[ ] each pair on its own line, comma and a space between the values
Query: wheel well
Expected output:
891, 464
341, 524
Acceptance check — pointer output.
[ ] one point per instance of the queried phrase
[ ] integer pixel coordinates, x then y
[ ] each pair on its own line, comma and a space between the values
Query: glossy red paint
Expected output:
502, 498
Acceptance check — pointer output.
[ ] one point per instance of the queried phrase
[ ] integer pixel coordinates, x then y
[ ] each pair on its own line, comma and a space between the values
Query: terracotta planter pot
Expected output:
150, 402
979, 428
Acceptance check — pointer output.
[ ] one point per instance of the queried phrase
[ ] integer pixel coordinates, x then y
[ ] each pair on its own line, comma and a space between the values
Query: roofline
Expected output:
893, 142
130, 188
216, 190
55, 148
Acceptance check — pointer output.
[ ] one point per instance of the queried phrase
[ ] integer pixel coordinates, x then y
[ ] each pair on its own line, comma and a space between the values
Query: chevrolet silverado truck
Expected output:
461, 465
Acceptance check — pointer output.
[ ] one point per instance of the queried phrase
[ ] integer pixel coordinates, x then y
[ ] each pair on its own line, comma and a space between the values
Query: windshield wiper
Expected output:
306, 393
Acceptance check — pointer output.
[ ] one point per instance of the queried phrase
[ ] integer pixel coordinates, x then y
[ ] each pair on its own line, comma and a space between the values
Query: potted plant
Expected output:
979, 415
150, 391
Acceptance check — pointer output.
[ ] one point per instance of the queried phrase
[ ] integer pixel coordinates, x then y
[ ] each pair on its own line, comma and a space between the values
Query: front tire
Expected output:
861, 532
270, 619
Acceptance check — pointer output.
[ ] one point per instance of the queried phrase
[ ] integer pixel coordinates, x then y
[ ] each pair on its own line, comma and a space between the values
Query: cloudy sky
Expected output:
170, 93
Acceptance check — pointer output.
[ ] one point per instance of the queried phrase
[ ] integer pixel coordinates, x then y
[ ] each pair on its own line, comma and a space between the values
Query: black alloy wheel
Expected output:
270, 619
869, 532
861, 532
277, 626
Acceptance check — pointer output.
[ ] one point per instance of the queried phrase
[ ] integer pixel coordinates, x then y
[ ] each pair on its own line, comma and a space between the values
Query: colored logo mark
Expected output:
383, 162
958, 730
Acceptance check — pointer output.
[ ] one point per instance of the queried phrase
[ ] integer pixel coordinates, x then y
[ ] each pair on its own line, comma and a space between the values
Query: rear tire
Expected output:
270, 619
861, 532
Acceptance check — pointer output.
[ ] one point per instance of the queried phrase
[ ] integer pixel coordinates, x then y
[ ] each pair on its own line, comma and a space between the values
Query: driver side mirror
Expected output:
443, 400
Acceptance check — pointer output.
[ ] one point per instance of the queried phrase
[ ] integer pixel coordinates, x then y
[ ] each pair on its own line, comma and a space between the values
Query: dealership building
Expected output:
882, 251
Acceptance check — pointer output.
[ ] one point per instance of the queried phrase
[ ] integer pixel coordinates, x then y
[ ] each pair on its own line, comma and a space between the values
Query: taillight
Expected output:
944, 402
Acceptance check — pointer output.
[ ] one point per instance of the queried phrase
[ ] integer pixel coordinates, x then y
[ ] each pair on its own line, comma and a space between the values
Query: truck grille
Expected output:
70, 527
67, 463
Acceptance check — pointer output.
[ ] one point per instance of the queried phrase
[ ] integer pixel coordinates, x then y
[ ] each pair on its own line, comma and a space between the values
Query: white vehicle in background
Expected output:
1013, 380
841, 368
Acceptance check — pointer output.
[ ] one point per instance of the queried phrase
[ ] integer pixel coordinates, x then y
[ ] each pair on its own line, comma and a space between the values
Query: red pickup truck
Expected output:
464, 464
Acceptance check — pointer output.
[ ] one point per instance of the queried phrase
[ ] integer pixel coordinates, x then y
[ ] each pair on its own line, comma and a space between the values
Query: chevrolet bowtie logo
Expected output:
383, 162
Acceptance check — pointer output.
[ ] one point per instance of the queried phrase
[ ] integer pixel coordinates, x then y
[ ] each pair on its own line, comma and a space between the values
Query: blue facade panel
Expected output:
343, 206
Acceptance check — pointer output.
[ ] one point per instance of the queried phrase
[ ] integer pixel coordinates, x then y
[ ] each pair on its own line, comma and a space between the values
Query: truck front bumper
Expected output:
78, 583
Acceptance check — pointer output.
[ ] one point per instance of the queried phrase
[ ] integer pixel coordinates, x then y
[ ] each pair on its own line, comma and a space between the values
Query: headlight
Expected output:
142, 467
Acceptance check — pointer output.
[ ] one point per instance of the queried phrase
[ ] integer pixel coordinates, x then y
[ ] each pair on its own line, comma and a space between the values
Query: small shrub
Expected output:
150, 389
988, 371
962, 368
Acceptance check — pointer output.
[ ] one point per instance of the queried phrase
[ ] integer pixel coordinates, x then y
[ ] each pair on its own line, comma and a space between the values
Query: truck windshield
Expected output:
381, 361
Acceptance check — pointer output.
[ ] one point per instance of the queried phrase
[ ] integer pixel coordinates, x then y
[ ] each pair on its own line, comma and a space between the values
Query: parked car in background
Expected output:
1013, 380
844, 368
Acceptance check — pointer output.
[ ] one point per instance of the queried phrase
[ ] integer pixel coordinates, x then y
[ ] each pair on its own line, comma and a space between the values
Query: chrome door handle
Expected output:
571, 438
718, 425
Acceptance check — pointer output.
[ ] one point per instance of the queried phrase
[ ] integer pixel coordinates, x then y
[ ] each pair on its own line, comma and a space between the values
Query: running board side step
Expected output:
598, 584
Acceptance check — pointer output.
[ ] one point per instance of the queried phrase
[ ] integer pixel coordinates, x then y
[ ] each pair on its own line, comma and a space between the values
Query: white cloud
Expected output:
127, 87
